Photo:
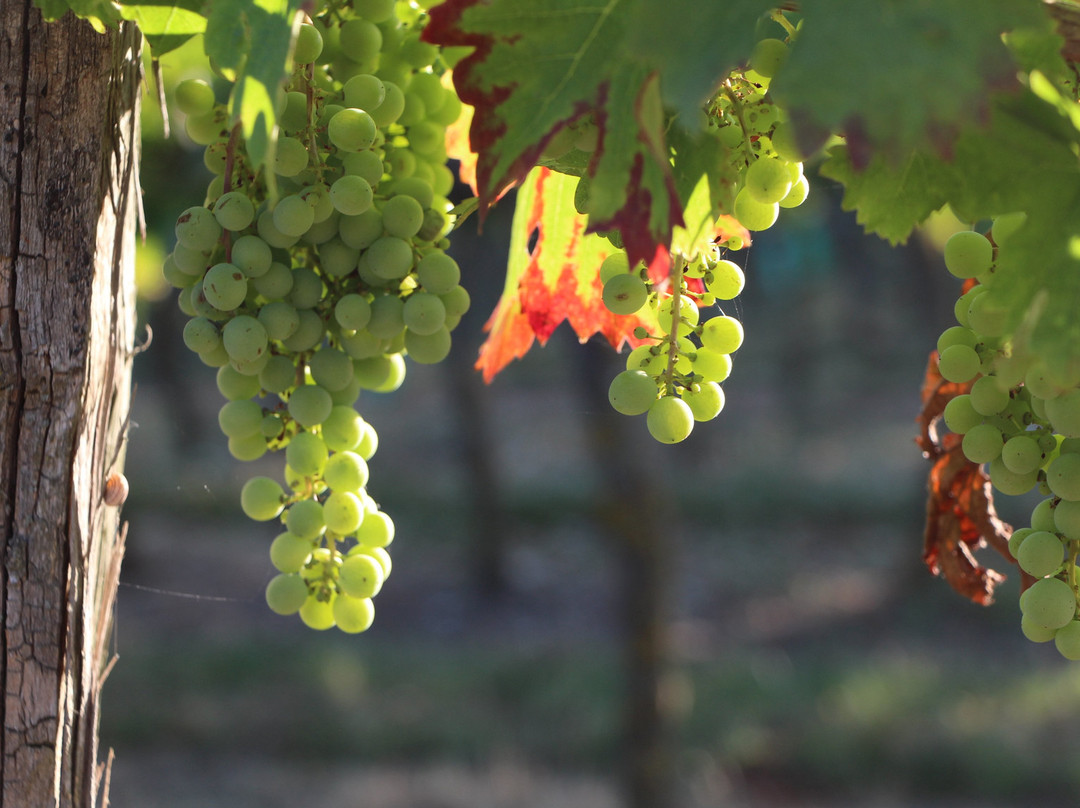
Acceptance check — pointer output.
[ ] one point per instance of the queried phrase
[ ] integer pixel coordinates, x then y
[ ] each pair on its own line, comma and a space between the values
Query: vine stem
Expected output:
230, 160
676, 277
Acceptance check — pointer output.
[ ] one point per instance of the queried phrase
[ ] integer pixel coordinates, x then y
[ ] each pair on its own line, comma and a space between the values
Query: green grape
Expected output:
286, 593
986, 317
276, 283
982, 443
215, 358
309, 44
205, 129
1063, 476
366, 164
401, 163
290, 157
307, 289
1040, 554
279, 319
310, 405
968, 254
377, 530
178, 279
632, 392
1063, 412
250, 367
352, 130
337, 259
252, 255
240, 419
224, 286
361, 345
330, 368
754, 215
250, 448
352, 311
402, 216
293, 215
389, 257
1008, 482
305, 519
960, 416
423, 313
244, 338
1006, 225
1035, 632
618, 263
1042, 516
197, 229
768, 56
261, 498
361, 40
688, 315
800, 190
364, 91
670, 420
958, 363
343, 512
361, 576
416, 187
727, 280
705, 400
307, 454
1021, 454
236, 386
768, 180
288, 553
1017, 538
318, 614
1067, 640
1049, 602
369, 443
201, 335
351, 195
278, 375
1067, 519
294, 116
234, 211
625, 294
346, 396
346, 471
360, 232
987, 398
188, 261
353, 615
387, 316
391, 108
711, 366
428, 139
428, 349
269, 232
438, 273
956, 335
722, 335
194, 97
396, 370
272, 425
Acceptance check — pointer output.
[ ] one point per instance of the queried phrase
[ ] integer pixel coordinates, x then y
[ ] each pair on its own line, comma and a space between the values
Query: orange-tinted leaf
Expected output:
960, 514
557, 280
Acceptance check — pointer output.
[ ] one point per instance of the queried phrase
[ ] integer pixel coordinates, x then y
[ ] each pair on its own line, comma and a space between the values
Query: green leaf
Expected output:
542, 65
252, 38
907, 74
890, 199
166, 26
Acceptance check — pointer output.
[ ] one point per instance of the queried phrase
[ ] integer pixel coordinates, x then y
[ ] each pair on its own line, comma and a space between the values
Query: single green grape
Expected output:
968, 254
632, 392
286, 593
670, 420
625, 294
262, 498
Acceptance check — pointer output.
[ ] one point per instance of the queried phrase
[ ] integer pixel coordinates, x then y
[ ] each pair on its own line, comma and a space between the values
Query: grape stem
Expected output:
778, 16
676, 277
230, 160
736, 105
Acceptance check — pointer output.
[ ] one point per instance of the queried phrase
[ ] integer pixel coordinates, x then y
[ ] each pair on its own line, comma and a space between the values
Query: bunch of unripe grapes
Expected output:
1023, 420
312, 278
674, 375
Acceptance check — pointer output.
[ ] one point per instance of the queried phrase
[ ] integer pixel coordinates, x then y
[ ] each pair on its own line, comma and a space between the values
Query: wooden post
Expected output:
69, 132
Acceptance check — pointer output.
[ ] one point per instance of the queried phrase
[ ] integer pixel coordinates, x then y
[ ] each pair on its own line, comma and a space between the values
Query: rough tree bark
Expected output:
68, 166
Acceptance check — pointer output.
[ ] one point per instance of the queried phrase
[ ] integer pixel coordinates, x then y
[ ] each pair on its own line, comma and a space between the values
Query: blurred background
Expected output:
577, 615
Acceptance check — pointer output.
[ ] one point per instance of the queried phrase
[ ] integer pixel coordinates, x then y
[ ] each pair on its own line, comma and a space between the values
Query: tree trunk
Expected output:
68, 166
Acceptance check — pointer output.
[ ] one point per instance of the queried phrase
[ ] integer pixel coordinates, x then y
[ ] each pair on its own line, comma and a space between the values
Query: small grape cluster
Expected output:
674, 375
313, 278
1024, 422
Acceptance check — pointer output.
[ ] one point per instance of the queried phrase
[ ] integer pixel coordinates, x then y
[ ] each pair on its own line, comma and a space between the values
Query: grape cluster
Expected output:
311, 279
674, 375
1023, 420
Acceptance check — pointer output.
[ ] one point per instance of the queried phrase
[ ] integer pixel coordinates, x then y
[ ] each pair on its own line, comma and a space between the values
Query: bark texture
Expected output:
68, 175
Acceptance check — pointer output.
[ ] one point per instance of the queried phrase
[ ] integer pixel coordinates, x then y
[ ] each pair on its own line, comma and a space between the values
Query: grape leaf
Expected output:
252, 39
166, 25
960, 513
555, 281
890, 198
907, 76
541, 66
